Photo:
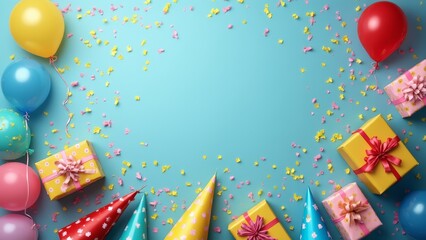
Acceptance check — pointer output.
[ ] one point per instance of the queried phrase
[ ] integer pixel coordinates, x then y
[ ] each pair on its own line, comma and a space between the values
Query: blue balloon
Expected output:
412, 214
26, 85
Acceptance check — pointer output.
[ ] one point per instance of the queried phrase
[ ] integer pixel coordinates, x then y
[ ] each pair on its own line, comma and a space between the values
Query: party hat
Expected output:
195, 221
97, 224
313, 225
136, 228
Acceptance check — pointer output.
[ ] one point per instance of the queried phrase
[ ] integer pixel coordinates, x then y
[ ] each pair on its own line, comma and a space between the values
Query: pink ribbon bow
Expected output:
71, 169
351, 210
255, 230
379, 152
415, 90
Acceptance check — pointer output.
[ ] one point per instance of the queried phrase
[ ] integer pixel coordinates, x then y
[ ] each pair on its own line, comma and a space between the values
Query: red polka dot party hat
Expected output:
97, 224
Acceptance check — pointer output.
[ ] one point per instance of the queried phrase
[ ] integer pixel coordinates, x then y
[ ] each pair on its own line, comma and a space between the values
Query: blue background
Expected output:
217, 91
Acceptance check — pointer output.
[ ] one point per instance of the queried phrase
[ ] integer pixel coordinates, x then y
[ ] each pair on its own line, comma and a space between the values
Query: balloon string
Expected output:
373, 71
27, 117
52, 61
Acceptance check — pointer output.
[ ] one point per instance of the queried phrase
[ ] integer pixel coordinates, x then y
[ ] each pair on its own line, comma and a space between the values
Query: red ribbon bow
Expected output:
379, 152
255, 230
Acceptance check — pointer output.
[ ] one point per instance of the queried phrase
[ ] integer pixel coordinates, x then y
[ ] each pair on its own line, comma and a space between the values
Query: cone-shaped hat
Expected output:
136, 228
195, 221
97, 224
313, 225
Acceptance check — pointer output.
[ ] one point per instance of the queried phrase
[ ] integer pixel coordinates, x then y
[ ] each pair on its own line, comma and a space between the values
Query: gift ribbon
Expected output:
414, 91
70, 169
379, 153
256, 230
351, 210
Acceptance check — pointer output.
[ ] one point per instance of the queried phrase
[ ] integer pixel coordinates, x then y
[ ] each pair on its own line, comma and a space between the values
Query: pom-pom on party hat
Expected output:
136, 228
313, 225
97, 224
195, 221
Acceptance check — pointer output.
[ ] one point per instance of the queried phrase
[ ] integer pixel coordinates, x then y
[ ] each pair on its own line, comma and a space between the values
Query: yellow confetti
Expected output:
280, 41
295, 16
167, 8
306, 30
237, 160
389, 117
111, 186
219, 157
154, 216
123, 171
297, 197
320, 135
326, 49
155, 163
165, 168
127, 163
97, 130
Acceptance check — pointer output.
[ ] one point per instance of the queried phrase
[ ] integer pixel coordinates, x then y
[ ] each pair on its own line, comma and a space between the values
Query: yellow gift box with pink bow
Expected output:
69, 170
351, 212
260, 222
377, 155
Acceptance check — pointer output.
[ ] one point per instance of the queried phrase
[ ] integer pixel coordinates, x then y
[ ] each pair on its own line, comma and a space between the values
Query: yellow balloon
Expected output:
37, 26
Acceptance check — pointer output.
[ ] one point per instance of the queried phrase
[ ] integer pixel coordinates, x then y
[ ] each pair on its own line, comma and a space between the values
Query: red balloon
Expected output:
17, 192
382, 28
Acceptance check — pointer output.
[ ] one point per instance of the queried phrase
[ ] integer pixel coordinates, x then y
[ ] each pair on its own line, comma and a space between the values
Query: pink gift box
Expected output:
351, 212
408, 91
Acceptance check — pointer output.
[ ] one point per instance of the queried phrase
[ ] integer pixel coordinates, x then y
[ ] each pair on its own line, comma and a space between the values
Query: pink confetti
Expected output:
230, 26
138, 175
120, 181
226, 9
54, 216
117, 152
161, 50
175, 34
266, 32
307, 49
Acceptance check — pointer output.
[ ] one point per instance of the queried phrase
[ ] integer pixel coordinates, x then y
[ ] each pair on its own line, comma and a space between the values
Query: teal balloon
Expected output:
26, 85
15, 135
136, 228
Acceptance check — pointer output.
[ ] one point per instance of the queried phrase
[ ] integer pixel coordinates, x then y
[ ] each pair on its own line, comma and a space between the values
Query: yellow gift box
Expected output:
377, 155
69, 170
259, 214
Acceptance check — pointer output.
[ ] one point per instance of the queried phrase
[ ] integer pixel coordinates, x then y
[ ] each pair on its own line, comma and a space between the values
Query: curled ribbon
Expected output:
379, 152
256, 230
351, 210
415, 90
71, 169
